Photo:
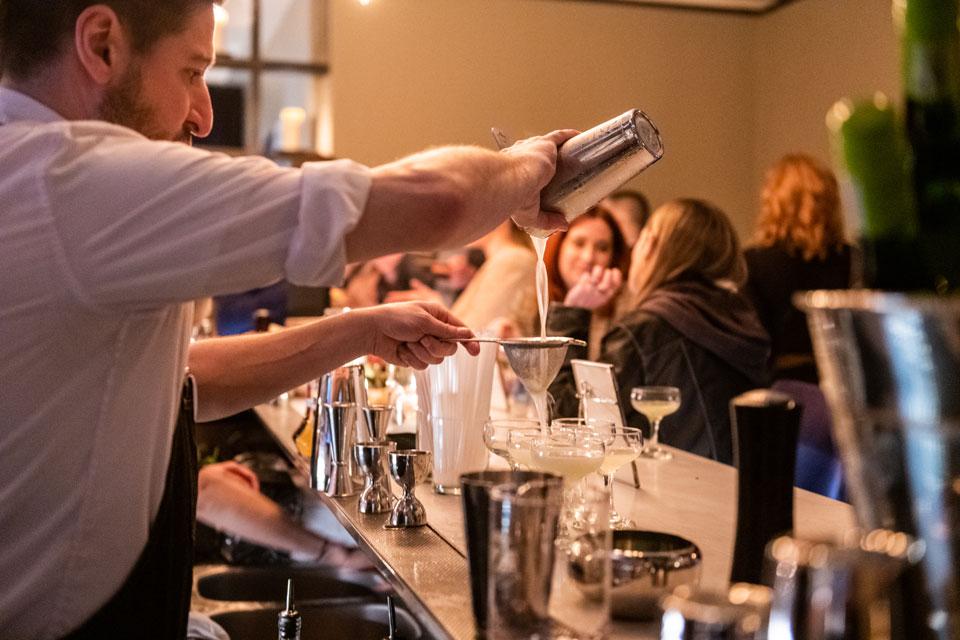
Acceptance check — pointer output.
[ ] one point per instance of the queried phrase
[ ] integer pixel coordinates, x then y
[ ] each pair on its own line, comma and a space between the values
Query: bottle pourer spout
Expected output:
290, 604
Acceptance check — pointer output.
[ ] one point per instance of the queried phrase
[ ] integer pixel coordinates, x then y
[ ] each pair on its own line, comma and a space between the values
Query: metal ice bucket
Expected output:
890, 369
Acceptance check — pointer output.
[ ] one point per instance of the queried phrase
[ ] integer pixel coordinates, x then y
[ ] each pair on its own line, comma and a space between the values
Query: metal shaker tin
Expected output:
595, 163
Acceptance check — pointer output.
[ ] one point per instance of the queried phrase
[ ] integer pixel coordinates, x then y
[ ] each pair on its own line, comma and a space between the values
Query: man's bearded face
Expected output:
123, 104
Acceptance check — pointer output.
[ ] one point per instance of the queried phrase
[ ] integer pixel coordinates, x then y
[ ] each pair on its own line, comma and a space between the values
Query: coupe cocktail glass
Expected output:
496, 436
655, 403
625, 448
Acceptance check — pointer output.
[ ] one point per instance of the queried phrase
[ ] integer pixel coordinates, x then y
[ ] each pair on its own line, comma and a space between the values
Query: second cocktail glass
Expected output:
655, 403
496, 436
626, 447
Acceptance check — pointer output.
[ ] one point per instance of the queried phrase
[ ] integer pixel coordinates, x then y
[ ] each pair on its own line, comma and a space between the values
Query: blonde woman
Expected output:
687, 327
799, 246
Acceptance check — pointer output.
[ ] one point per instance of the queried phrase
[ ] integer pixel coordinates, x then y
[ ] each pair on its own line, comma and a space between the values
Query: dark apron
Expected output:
154, 602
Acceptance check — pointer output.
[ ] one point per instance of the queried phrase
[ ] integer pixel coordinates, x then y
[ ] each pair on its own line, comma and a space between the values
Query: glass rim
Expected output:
505, 492
481, 479
577, 445
581, 420
654, 389
508, 422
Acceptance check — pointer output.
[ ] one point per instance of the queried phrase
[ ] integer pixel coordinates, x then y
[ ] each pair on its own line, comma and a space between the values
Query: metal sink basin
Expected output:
269, 584
322, 622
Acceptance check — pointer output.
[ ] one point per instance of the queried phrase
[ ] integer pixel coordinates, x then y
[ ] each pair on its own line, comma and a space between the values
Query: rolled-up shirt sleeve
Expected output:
140, 223
340, 186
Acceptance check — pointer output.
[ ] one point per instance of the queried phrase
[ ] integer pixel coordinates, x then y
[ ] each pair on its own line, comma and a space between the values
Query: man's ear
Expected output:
102, 43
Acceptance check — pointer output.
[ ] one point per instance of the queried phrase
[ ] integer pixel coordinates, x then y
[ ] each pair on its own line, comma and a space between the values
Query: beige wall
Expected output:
807, 56
728, 92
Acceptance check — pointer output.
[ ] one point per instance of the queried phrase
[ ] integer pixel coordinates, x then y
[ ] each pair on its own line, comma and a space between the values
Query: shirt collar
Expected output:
19, 107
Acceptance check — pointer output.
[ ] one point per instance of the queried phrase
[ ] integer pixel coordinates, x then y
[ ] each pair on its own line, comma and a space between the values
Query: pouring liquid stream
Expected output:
543, 299
533, 376
543, 288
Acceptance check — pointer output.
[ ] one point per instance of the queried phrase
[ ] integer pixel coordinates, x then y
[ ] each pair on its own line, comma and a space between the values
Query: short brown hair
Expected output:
32, 31
641, 206
800, 208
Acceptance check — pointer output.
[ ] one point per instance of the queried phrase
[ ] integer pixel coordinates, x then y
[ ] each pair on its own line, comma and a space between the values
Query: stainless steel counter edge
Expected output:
426, 571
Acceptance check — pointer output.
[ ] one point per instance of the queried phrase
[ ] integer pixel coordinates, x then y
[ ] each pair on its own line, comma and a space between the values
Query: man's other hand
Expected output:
414, 334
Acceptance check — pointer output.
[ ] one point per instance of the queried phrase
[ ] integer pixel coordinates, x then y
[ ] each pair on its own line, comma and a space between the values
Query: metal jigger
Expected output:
341, 422
377, 418
408, 468
376, 496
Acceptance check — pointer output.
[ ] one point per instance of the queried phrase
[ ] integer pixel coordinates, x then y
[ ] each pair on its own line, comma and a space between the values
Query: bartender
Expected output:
108, 229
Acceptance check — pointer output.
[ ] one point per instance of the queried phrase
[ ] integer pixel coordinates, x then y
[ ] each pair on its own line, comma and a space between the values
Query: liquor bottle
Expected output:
261, 320
931, 75
304, 436
874, 161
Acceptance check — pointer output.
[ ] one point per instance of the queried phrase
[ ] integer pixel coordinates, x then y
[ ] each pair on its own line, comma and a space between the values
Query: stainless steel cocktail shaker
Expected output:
593, 164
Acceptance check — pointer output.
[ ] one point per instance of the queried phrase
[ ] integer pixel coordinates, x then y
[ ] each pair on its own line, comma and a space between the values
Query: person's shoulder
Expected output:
641, 332
516, 252
513, 257
67, 141
75, 130
642, 324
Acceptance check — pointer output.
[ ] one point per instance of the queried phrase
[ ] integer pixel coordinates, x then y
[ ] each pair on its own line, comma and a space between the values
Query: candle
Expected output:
291, 123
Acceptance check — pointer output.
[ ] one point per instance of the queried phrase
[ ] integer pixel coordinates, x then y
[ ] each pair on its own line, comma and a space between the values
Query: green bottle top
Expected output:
871, 146
931, 20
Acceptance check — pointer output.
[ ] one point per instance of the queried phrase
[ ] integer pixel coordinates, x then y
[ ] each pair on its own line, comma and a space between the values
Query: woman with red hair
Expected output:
799, 246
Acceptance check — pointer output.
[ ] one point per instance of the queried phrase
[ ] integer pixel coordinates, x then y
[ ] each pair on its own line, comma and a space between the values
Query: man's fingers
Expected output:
441, 324
438, 348
406, 355
443, 314
244, 474
473, 348
560, 136
423, 353
551, 221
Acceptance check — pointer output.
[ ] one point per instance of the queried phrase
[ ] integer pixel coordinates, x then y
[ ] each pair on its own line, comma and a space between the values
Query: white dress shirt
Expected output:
104, 238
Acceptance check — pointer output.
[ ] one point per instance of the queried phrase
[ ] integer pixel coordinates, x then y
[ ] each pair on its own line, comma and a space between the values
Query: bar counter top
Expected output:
687, 496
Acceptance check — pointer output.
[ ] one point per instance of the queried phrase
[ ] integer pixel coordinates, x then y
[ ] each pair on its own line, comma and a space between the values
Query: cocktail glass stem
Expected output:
616, 520
653, 448
614, 516
568, 517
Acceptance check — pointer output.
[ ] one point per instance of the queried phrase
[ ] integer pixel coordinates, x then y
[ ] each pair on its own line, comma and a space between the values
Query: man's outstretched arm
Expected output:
236, 373
449, 196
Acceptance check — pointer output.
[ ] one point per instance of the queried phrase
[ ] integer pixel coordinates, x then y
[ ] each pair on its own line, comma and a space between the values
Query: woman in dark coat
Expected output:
688, 326
799, 246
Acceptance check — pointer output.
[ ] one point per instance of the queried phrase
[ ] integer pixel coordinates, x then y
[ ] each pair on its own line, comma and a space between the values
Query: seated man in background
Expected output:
631, 210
